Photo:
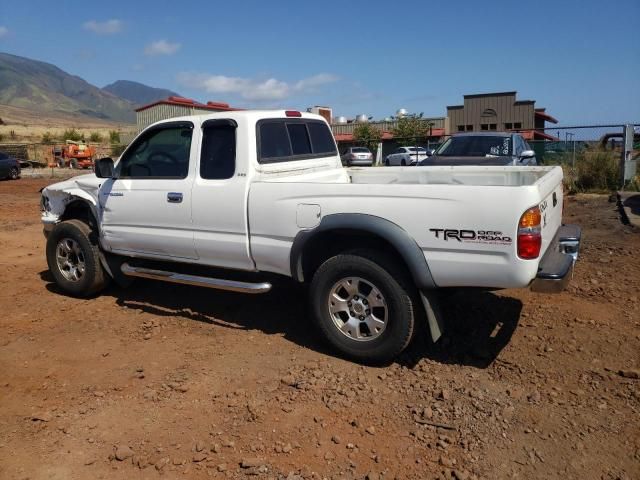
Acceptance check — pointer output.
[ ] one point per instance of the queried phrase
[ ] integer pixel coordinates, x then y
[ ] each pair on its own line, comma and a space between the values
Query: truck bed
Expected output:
479, 176
420, 200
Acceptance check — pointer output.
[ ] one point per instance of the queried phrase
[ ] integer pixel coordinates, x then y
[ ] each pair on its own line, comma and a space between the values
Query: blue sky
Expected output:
580, 59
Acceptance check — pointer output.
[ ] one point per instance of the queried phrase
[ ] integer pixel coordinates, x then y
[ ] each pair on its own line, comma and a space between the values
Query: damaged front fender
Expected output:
57, 197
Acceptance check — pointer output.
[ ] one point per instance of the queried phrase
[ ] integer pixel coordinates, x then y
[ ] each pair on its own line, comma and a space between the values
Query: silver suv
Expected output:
357, 156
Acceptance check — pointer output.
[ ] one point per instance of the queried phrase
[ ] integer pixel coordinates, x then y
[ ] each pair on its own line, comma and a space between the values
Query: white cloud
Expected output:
4, 31
108, 27
253, 89
161, 47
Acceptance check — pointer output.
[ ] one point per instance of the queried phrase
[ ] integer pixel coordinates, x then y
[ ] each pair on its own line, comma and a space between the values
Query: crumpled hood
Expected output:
87, 182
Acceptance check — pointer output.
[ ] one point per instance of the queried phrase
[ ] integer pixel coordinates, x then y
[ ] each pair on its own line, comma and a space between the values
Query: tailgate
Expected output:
551, 211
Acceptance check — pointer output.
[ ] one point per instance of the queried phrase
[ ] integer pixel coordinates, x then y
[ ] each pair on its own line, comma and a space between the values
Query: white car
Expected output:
406, 156
258, 193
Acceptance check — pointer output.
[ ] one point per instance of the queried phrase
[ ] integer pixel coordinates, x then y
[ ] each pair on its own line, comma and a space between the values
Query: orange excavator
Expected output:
74, 155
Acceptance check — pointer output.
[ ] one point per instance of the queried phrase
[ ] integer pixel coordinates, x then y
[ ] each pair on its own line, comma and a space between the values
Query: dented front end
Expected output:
56, 198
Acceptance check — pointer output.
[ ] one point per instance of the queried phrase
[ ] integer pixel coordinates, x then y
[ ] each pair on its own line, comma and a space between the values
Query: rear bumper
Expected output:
360, 162
556, 267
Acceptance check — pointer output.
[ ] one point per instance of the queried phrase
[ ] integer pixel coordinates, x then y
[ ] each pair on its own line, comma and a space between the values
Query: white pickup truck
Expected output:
265, 192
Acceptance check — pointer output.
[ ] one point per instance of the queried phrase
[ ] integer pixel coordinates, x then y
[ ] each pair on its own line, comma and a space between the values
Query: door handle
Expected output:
174, 197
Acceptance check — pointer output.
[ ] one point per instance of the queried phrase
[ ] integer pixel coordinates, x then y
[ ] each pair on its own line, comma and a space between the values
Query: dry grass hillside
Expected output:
30, 126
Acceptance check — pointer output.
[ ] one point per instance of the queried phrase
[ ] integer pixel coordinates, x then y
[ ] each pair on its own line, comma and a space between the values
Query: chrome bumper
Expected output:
556, 267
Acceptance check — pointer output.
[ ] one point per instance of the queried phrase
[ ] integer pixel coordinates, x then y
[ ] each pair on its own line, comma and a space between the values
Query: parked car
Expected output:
406, 156
483, 148
358, 156
180, 206
9, 167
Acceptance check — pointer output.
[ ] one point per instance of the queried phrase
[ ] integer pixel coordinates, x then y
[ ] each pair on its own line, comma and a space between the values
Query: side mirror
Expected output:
527, 154
104, 168
430, 152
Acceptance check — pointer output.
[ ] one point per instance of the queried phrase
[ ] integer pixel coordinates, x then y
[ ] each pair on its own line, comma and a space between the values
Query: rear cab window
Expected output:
290, 139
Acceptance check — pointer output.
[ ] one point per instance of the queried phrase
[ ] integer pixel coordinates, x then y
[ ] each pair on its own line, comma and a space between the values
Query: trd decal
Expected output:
471, 236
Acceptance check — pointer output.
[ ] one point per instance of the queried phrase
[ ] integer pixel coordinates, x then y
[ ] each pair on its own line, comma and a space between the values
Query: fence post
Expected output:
627, 166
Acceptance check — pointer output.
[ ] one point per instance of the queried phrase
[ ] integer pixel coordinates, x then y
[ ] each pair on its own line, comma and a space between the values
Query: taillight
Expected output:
530, 234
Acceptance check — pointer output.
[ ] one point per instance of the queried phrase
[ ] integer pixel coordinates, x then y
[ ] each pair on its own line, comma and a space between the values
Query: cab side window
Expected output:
218, 156
159, 153
285, 140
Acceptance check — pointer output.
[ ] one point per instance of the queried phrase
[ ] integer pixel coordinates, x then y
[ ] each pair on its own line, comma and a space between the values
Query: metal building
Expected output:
176, 107
501, 112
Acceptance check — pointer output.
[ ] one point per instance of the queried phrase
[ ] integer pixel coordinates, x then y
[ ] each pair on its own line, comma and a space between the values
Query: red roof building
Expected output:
176, 107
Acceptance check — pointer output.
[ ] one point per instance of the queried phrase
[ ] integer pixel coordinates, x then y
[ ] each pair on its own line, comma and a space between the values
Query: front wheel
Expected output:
363, 306
73, 257
14, 174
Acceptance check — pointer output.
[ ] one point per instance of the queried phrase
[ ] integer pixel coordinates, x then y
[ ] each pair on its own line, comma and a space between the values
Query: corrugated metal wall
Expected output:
347, 128
160, 112
164, 111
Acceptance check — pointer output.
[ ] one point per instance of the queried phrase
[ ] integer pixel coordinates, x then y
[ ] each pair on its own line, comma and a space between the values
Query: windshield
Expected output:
475, 146
360, 150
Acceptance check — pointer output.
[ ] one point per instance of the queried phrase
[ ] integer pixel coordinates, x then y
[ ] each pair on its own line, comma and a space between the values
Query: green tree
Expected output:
47, 137
412, 129
367, 135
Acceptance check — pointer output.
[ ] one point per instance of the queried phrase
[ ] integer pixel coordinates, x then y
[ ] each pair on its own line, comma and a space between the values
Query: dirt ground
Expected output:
166, 381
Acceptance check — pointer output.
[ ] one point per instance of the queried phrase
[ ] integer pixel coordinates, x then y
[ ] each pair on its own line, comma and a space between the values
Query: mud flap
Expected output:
434, 315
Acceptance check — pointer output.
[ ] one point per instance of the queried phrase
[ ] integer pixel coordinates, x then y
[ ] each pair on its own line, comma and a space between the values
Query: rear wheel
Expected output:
73, 163
14, 174
60, 163
73, 257
364, 306
403, 162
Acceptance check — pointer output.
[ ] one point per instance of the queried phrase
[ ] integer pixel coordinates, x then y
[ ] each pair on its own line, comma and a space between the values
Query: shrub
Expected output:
47, 137
114, 136
597, 171
72, 134
95, 137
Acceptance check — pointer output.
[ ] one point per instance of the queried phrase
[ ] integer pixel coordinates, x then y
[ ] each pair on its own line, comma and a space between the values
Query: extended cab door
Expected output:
146, 209
220, 221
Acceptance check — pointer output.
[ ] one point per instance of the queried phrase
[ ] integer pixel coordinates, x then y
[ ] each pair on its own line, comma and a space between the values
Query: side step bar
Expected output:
217, 283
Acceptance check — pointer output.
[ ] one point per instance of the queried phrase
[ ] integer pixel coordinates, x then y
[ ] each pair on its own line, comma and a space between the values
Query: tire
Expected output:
341, 328
73, 257
403, 162
60, 163
73, 164
386, 162
14, 174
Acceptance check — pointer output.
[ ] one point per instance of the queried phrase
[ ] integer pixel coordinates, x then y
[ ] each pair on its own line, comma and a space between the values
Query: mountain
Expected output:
43, 87
137, 93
